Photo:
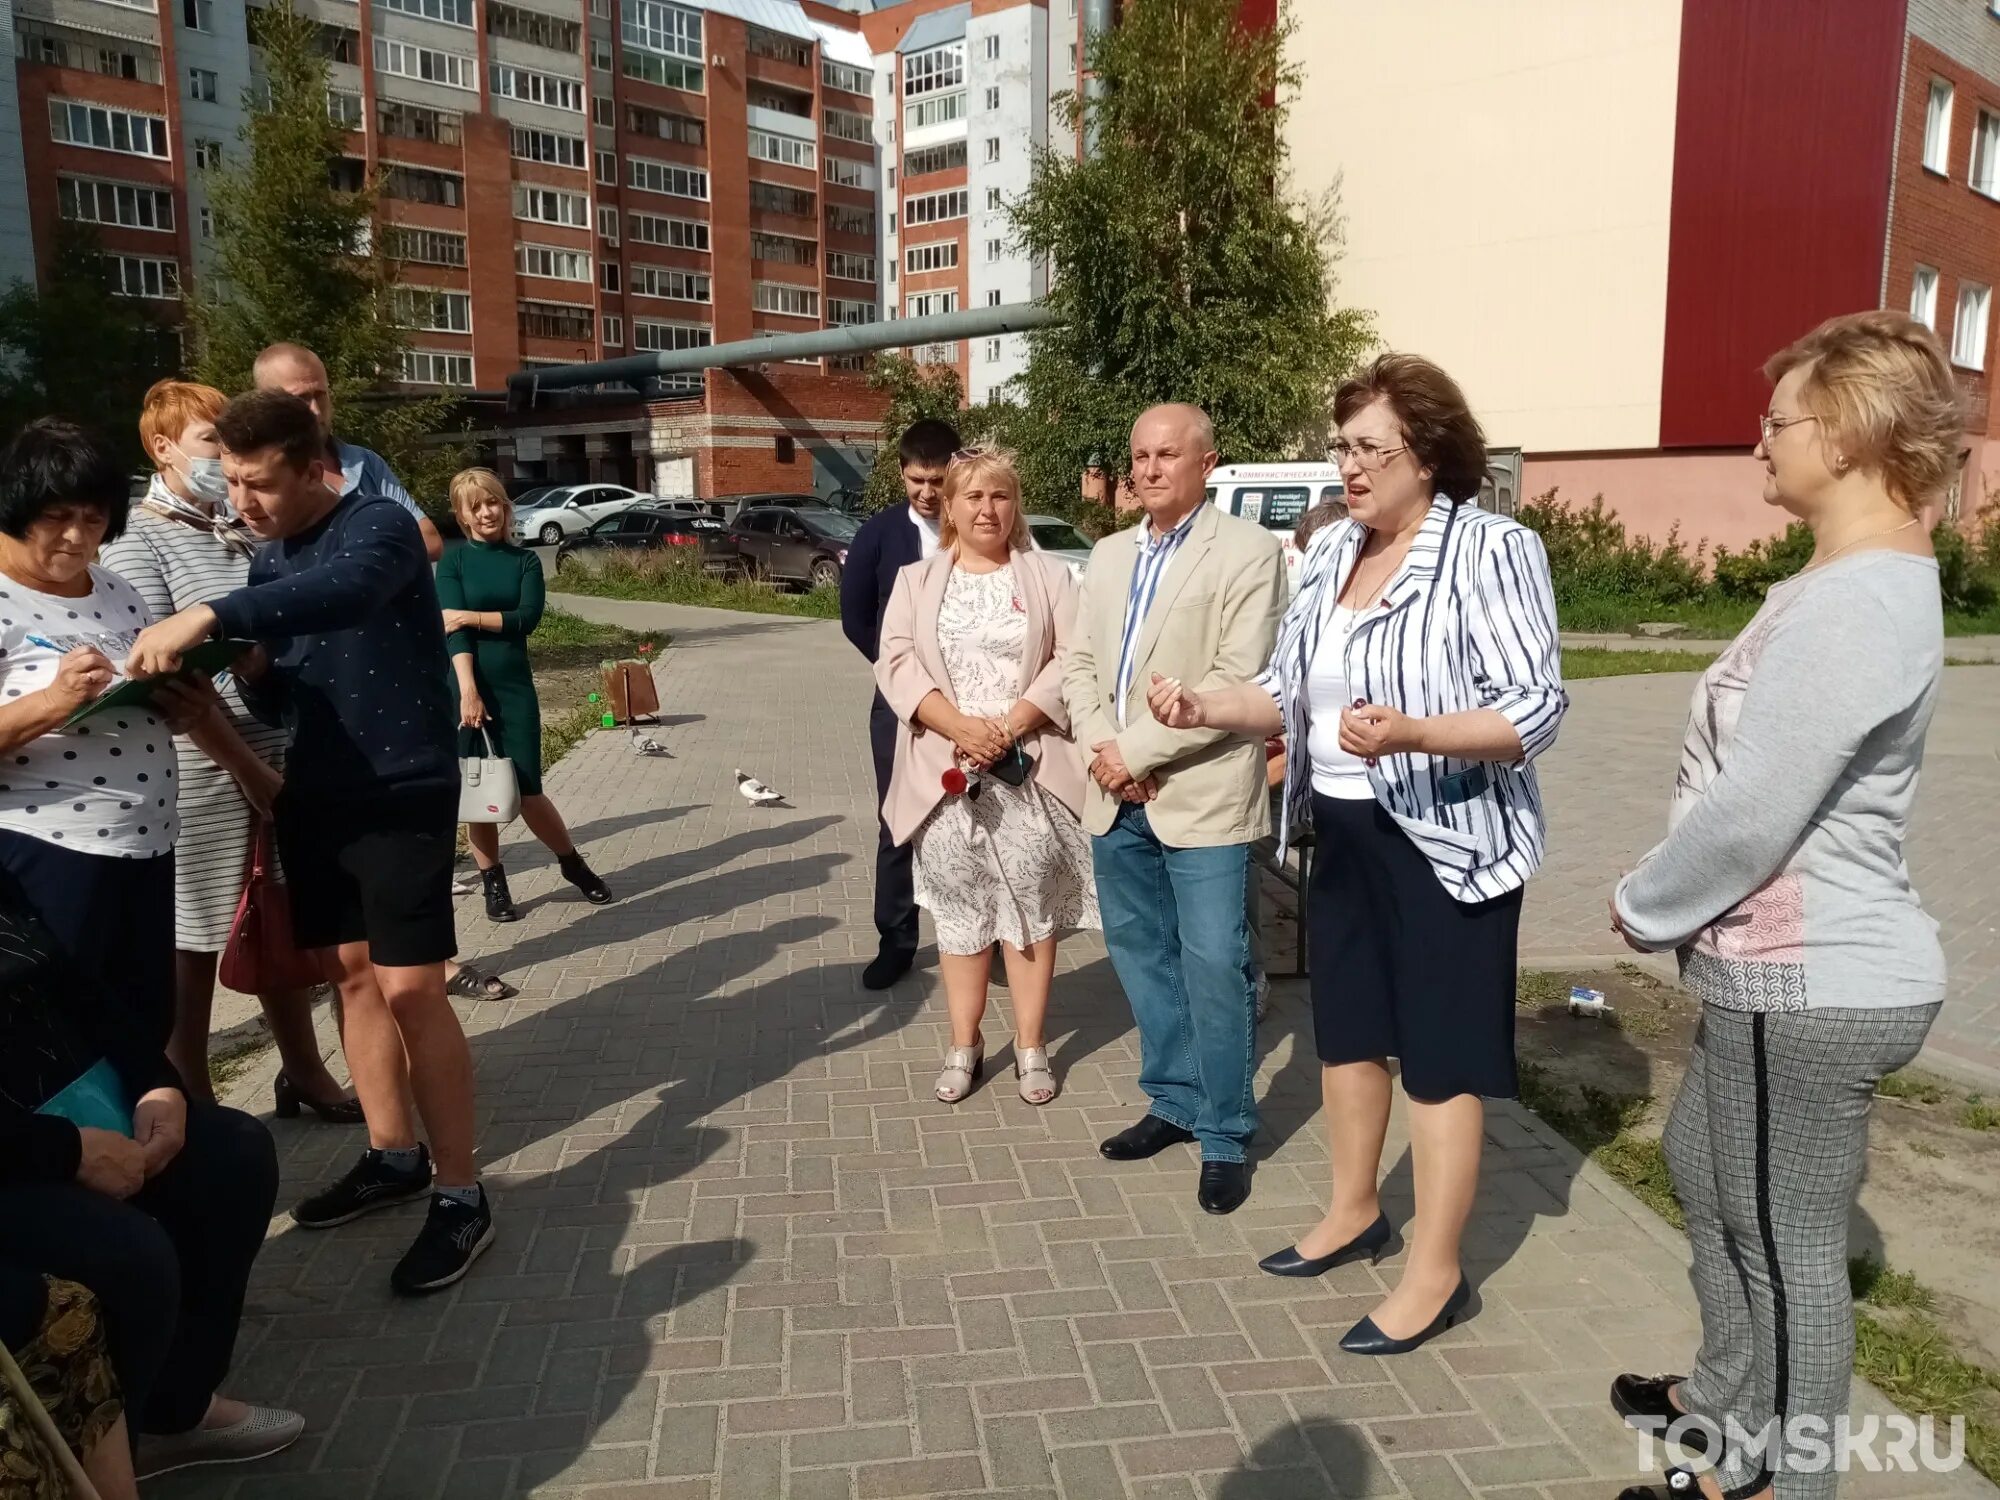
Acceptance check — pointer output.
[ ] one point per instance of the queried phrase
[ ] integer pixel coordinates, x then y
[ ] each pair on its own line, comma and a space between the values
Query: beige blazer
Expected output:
1213, 622
911, 666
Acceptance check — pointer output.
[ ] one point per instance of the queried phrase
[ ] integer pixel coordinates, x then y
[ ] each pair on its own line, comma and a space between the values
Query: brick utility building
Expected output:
1611, 214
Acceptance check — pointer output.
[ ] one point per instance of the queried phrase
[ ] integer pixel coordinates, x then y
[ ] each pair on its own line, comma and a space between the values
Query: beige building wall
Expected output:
1506, 174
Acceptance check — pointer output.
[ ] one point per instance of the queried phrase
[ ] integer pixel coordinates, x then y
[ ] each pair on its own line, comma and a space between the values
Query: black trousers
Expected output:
895, 864
170, 1264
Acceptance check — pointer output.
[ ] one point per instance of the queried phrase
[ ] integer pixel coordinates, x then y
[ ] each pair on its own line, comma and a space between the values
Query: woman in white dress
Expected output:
987, 781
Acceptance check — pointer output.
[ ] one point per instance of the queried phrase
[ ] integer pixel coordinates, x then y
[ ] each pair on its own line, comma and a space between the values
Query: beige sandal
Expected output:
1031, 1069
962, 1067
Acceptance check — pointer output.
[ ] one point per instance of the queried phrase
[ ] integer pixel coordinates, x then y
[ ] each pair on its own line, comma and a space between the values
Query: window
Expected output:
935, 208
993, 297
1985, 176
600, 53
551, 89
555, 320
430, 367
346, 174
785, 150
550, 206
343, 108
665, 336
993, 49
783, 249
607, 223
451, 12
847, 266
936, 354
992, 148
933, 70
668, 177
843, 220
422, 185
432, 310
892, 178
1937, 127
208, 155
198, 15
779, 297
1968, 328
992, 250
927, 159
604, 111
143, 276
939, 111
768, 197
413, 122
782, 48
778, 101
83, 200
430, 247
668, 42
993, 351
607, 168
425, 64
1923, 296
614, 330
927, 304
847, 314
87, 52
1072, 57
110, 129
547, 260
845, 125
844, 171
674, 234
939, 255
547, 145
992, 100
536, 28
845, 77
207, 218
993, 200
892, 280
608, 277
675, 286
667, 127
601, 9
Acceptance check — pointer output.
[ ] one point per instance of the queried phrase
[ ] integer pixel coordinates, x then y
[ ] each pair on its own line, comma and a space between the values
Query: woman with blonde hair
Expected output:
492, 596
1782, 885
987, 783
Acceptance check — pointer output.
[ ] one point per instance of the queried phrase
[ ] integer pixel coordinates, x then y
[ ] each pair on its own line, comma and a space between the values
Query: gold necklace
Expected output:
1820, 562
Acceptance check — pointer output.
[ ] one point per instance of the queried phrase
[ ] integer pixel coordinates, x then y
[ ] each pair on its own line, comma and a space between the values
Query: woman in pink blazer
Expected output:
970, 664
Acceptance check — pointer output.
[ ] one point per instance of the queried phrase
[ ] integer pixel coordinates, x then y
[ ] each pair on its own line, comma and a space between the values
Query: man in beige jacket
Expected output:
1193, 594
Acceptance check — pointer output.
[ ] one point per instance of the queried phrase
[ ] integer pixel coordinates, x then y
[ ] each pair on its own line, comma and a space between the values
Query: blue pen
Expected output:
45, 643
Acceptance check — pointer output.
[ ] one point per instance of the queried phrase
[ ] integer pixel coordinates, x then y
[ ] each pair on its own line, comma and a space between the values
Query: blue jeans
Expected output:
1175, 922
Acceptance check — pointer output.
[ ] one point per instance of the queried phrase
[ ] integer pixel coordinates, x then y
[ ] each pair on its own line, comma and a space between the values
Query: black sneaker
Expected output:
452, 1238
370, 1183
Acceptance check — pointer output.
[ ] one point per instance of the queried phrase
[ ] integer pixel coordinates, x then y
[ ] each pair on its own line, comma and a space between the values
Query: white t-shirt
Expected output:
927, 532
106, 786
1335, 773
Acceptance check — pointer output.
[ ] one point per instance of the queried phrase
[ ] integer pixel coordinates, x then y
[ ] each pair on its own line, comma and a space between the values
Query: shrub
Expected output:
1590, 556
1965, 585
1986, 530
1750, 573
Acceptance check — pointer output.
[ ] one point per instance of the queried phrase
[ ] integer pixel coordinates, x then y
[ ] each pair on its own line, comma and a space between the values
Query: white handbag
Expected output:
488, 791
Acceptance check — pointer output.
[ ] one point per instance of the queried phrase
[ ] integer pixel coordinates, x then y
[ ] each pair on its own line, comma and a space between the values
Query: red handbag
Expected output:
260, 957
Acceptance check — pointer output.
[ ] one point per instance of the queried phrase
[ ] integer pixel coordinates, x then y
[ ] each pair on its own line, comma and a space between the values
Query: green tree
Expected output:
70, 348
293, 262
1183, 267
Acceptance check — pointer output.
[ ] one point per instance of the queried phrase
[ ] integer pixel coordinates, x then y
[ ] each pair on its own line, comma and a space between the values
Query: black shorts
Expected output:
1401, 969
377, 872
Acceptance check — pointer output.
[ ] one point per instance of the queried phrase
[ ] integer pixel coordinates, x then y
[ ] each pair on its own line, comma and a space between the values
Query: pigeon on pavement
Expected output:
755, 792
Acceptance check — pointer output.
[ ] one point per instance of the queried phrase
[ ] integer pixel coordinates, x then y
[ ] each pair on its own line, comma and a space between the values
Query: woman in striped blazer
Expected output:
1416, 677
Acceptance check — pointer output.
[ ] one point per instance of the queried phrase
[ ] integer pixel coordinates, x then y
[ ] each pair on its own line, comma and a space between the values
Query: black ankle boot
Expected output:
499, 902
580, 875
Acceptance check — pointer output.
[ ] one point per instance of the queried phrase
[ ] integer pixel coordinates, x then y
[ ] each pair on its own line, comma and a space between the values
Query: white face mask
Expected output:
204, 480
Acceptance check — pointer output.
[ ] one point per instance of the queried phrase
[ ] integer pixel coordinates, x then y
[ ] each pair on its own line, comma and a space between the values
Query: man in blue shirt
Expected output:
297, 371
342, 601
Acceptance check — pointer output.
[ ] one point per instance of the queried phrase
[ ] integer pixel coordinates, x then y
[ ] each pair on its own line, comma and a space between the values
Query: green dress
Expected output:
498, 576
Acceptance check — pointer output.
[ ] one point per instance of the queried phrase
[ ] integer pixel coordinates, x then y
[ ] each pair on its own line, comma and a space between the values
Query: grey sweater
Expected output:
1781, 879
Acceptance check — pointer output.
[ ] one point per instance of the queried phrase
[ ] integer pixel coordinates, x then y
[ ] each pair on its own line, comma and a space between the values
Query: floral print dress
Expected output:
1013, 864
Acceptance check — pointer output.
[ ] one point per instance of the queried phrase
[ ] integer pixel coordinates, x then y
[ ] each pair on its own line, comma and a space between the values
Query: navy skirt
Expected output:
1399, 968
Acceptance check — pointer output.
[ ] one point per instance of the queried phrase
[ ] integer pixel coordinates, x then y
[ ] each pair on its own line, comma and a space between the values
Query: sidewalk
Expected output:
1958, 648
744, 1254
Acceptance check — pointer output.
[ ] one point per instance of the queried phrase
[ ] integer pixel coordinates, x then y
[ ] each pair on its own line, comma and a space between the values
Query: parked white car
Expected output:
1058, 538
572, 509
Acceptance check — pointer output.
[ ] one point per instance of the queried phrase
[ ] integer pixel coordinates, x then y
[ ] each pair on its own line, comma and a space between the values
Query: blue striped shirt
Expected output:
1156, 555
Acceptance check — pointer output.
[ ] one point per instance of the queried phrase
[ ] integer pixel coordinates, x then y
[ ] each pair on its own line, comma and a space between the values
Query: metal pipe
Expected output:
858, 338
1096, 19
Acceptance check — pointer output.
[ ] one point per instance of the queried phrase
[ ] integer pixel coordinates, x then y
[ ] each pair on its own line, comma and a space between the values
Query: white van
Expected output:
1275, 496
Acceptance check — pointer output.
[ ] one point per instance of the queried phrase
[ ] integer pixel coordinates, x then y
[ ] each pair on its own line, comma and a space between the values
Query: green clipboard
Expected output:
208, 659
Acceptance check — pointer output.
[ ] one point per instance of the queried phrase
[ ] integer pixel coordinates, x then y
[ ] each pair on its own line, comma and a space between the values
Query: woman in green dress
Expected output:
491, 593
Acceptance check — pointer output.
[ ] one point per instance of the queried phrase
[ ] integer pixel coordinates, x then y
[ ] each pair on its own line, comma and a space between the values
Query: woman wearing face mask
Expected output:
183, 547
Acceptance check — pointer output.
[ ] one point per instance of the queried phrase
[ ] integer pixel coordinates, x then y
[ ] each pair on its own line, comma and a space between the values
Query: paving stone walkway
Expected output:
743, 1255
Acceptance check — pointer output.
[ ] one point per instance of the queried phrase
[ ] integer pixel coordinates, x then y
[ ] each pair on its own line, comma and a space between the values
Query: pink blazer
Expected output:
911, 665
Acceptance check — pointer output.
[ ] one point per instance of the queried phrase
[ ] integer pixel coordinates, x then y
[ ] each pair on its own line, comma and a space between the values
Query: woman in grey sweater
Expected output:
1782, 885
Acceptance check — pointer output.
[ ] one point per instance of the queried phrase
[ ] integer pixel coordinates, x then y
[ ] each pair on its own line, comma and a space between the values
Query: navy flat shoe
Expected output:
1371, 1242
1365, 1338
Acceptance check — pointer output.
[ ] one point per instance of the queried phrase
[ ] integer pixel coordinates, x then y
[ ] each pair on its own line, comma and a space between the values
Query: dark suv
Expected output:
793, 544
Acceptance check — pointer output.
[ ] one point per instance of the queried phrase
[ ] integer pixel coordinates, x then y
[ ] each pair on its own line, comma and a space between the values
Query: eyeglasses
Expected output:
1368, 455
1771, 426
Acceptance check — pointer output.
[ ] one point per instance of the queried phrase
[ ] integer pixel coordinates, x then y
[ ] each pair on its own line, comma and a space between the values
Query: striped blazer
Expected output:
1469, 621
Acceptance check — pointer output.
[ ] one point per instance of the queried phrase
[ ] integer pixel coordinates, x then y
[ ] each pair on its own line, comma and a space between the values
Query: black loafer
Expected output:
1371, 1242
1681, 1485
888, 966
1224, 1186
1365, 1338
1643, 1402
1149, 1137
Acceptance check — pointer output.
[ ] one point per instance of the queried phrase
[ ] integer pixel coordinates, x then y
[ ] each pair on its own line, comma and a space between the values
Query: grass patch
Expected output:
1910, 1086
1534, 987
226, 1065
1927, 1150
664, 578
1603, 1126
1912, 1361
1582, 662
1977, 1114
568, 653
1872, 1281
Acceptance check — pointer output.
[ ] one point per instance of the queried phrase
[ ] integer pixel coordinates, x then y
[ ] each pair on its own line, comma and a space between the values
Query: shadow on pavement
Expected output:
1316, 1459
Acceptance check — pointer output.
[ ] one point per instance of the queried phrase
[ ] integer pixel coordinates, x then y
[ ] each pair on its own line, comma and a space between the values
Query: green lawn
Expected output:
658, 578
1719, 621
568, 652
1580, 662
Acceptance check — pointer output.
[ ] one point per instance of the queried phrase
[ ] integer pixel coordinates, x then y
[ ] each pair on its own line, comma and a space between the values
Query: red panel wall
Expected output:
1782, 146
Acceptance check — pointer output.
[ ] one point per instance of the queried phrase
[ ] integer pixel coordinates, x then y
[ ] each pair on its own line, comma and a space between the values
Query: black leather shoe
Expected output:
888, 966
1371, 1242
1642, 1401
1365, 1338
499, 900
1224, 1186
1681, 1485
1149, 1137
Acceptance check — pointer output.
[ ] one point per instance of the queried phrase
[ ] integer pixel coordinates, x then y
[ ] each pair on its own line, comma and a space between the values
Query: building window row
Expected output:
779, 101
934, 70
668, 44
60, 47
846, 313
426, 64
533, 87
1969, 320
143, 276
846, 77
939, 111
536, 28
935, 354
344, 108
769, 197
1983, 171
845, 125
548, 146
434, 367
671, 284
938, 255
845, 265
86, 200
552, 262
930, 304
551, 206
103, 129
784, 298
555, 320
684, 129
779, 47
451, 12
674, 234
431, 310
841, 219
665, 337
783, 249
430, 247
935, 208
927, 159
417, 122
844, 171
423, 185
785, 150
666, 177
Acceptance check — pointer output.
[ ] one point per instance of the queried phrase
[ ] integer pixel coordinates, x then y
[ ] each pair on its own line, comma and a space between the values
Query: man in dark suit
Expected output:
890, 541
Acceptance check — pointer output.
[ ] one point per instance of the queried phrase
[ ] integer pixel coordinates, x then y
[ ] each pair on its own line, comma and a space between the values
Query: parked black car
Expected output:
734, 506
793, 544
649, 528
